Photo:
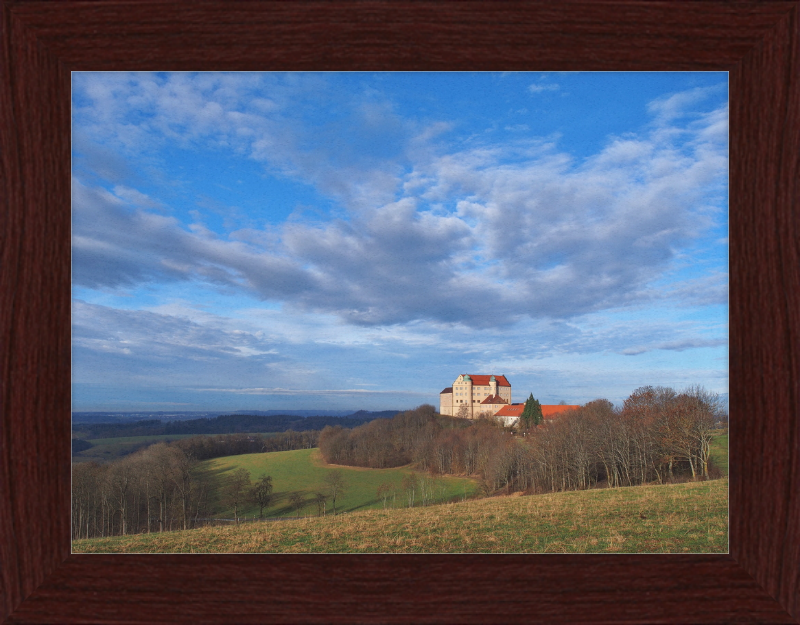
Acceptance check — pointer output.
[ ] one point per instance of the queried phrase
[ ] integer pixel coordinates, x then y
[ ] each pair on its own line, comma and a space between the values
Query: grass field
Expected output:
677, 518
719, 452
303, 471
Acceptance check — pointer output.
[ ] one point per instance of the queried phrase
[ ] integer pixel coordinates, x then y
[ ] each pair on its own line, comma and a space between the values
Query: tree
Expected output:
527, 413
385, 490
410, 487
120, 480
536, 411
334, 480
262, 493
532, 413
321, 499
182, 472
237, 489
296, 501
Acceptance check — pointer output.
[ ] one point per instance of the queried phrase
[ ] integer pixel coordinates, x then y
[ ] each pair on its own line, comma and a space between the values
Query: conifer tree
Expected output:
527, 413
532, 413
536, 411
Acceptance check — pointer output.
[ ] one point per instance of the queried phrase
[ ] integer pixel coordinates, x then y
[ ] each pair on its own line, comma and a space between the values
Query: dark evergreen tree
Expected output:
527, 413
536, 411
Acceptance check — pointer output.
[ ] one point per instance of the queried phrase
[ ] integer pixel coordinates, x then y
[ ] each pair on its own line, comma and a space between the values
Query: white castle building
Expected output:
472, 395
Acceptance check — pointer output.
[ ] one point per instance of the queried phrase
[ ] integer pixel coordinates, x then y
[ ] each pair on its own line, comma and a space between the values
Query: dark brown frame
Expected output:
757, 42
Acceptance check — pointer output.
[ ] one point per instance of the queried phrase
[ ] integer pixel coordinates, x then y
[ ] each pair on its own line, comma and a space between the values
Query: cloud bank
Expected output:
475, 234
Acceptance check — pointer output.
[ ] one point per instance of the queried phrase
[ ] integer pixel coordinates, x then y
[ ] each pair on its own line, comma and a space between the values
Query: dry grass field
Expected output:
677, 518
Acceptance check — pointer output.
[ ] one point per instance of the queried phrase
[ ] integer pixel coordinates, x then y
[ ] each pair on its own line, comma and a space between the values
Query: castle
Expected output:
474, 395
471, 395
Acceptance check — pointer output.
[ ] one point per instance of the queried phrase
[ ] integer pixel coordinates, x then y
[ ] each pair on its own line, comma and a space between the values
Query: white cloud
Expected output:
540, 88
483, 236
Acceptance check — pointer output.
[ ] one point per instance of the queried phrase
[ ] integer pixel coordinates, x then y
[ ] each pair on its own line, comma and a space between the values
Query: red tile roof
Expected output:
514, 410
449, 389
483, 380
494, 399
549, 411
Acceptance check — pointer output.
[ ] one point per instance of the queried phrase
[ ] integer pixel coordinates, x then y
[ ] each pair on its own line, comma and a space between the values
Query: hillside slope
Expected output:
678, 518
303, 472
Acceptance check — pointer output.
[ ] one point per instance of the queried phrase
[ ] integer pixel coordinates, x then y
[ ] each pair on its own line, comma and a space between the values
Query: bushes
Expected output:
385, 443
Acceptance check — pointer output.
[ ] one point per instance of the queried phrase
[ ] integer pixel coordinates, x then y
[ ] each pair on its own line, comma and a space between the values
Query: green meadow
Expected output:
303, 472
719, 452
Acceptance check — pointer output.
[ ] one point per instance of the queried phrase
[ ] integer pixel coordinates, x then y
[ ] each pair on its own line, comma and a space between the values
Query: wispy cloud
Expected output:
417, 232
677, 346
540, 88
480, 240
307, 392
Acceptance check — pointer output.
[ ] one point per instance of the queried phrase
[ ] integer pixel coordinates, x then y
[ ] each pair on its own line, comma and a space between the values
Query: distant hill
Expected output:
169, 415
223, 424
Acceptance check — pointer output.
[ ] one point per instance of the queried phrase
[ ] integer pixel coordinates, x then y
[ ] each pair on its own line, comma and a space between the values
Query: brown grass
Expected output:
678, 518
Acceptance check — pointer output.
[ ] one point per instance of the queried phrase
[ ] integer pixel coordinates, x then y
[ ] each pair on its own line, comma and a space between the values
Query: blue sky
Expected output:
357, 240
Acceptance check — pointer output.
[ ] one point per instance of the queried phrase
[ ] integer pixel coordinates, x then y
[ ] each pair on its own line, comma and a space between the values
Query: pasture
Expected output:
303, 472
719, 452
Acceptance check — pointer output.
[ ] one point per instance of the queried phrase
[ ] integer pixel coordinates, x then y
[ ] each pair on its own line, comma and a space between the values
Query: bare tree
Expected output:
335, 483
237, 490
385, 491
321, 500
185, 483
120, 479
296, 501
410, 487
262, 494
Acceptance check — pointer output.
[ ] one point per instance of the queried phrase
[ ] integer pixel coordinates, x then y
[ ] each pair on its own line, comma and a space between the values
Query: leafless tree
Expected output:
321, 500
385, 491
261, 493
296, 501
335, 484
237, 487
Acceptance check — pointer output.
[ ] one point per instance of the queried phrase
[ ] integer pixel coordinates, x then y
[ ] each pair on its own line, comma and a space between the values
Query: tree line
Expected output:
658, 435
158, 489
385, 443
224, 424
155, 489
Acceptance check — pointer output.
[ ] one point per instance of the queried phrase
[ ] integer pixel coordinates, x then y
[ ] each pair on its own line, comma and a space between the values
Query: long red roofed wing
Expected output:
550, 410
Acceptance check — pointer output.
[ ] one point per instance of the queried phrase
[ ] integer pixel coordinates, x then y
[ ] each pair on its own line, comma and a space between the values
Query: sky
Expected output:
263, 241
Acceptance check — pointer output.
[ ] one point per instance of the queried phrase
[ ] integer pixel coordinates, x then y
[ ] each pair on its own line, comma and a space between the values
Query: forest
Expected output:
658, 435
157, 488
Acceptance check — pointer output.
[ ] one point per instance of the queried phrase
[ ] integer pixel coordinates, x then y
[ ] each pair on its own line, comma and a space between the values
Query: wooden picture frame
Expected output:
757, 42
